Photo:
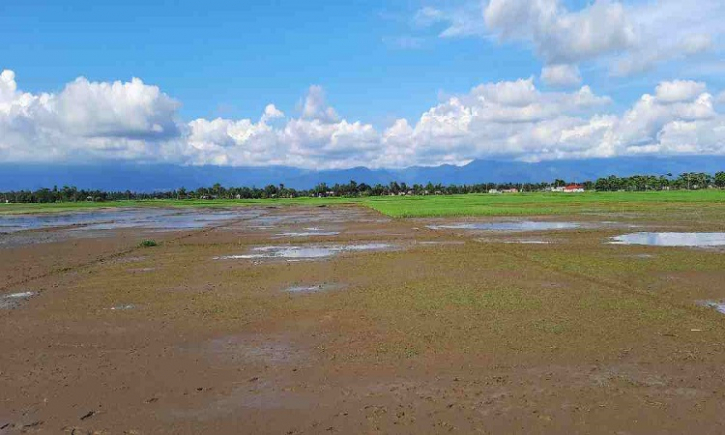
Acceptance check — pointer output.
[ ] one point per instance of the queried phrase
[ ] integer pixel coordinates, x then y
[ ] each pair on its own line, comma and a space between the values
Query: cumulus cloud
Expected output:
271, 112
561, 36
668, 30
561, 75
508, 119
679, 90
130, 109
679, 118
86, 120
315, 106
626, 37
318, 138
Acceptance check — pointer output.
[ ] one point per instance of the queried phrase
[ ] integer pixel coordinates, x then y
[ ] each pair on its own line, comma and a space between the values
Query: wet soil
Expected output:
452, 331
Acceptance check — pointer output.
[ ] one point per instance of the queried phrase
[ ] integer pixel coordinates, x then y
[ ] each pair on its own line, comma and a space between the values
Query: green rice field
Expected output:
522, 204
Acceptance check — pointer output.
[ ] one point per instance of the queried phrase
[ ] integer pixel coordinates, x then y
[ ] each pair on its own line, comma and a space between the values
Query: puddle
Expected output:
437, 243
127, 260
266, 350
13, 300
313, 288
123, 307
303, 289
515, 226
529, 242
187, 220
304, 252
309, 232
671, 239
717, 306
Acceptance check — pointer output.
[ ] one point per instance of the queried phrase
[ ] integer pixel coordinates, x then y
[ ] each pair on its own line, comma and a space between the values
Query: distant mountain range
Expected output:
147, 178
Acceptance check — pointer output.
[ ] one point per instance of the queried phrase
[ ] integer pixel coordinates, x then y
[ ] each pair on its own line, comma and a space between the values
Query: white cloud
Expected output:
626, 37
648, 56
317, 139
85, 121
679, 90
130, 109
509, 119
315, 107
271, 112
515, 120
670, 30
561, 36
8, 89
561, 75
459, 22
694, 44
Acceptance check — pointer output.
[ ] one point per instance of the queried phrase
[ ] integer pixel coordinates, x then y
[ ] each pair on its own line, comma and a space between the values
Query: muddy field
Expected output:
337, 319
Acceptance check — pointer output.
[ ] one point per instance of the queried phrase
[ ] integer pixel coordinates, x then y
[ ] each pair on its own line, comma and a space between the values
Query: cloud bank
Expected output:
133, 121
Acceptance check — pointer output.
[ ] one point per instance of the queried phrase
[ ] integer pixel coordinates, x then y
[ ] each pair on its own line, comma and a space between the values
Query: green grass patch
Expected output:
530, 204
65, 207
148, 244
522, 204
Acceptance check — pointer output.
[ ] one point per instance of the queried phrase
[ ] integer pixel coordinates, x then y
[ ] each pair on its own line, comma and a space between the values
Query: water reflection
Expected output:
671, 239
161, 219
304, 252
517, 226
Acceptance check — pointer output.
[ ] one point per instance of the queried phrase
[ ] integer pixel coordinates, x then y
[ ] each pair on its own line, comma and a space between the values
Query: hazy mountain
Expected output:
165, 177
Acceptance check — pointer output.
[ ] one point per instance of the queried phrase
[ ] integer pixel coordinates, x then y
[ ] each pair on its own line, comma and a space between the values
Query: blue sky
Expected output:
232, 58
382, 66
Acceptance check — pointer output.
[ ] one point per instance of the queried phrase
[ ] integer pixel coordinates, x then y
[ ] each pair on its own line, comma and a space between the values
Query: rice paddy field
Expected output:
526, 313
435, 205
543, 203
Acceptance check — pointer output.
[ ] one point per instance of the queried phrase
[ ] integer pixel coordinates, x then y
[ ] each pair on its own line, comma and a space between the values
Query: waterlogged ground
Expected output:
305, 319
697, 240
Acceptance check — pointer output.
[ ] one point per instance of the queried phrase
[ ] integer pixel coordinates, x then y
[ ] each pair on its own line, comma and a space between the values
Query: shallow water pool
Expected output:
514, 226
12, 300
304, 252
671, 239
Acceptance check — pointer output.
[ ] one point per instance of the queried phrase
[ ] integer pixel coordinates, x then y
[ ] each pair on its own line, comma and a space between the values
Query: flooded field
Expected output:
302, 319
148, 218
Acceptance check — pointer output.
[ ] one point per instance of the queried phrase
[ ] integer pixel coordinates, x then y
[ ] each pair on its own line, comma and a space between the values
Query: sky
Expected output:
382, 84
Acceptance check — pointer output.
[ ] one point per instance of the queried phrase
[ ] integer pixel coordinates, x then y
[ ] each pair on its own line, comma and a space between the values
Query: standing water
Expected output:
671, 239
517, 226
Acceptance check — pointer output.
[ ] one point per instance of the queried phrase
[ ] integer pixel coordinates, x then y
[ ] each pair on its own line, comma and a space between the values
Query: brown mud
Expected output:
451, 330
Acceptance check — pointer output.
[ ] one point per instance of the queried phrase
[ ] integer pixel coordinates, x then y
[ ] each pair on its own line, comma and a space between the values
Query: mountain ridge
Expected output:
160, 177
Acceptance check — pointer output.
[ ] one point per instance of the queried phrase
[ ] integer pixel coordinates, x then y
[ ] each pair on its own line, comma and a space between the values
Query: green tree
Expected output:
720, 179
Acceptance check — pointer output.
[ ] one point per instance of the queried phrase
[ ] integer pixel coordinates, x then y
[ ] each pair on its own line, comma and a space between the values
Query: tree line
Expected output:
685, 181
